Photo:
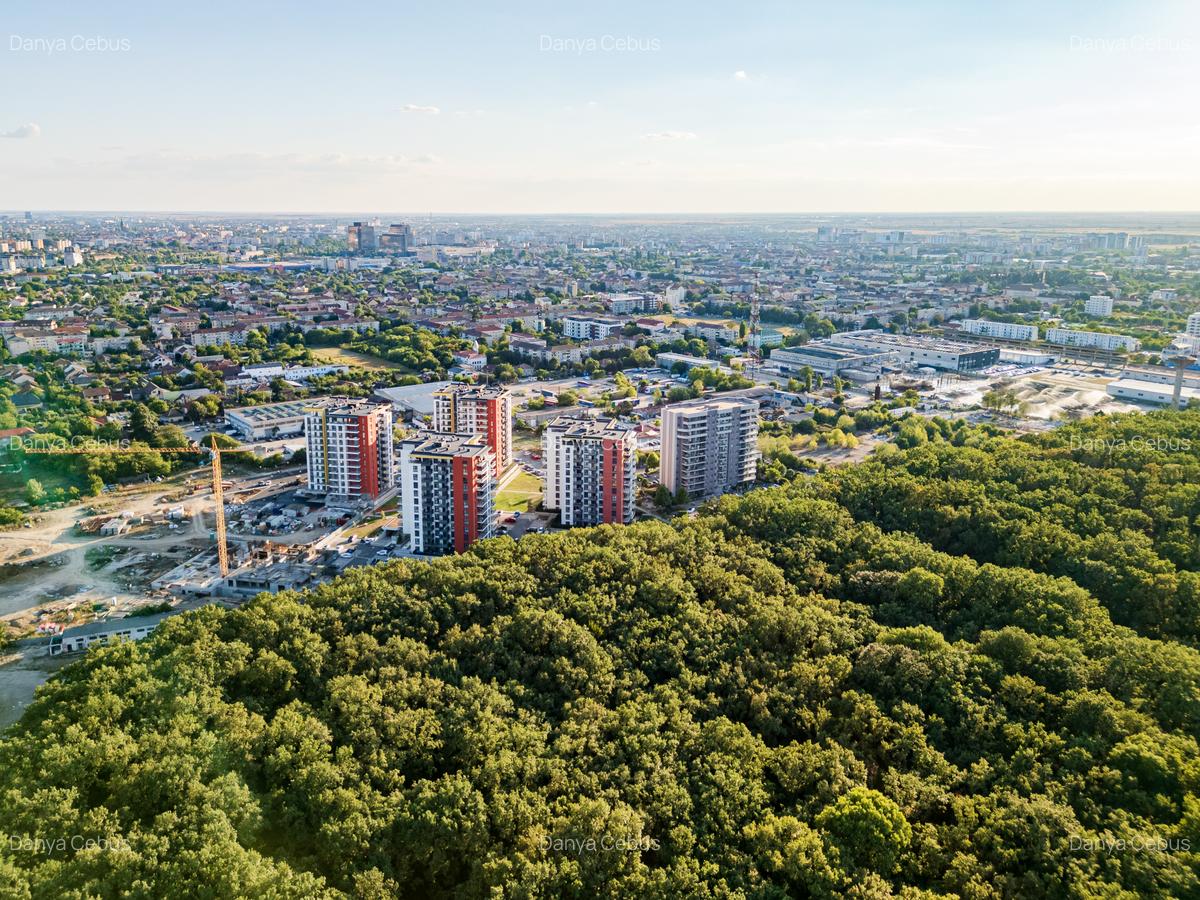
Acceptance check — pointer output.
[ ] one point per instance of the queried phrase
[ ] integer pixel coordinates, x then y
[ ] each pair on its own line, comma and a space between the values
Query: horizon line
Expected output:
759, 213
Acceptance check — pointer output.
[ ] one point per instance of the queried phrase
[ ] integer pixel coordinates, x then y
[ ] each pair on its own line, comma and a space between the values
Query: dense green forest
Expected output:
966, 668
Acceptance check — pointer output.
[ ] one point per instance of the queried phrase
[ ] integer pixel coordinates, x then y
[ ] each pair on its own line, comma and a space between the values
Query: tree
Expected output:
35, 494
866, 830
903, 677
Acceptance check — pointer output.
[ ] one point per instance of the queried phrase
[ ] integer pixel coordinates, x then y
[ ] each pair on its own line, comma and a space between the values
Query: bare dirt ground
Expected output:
1048, 395
47, 564
20, 676
840, 456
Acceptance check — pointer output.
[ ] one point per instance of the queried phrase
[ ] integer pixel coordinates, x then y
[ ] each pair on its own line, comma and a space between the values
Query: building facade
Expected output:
487, 411
363, 237
349, 448
105, 631
447, 492
1102, 340
1009, 331
919, 350
590, 471
620, 304
710, 446
827, 359
269, 420
590, 328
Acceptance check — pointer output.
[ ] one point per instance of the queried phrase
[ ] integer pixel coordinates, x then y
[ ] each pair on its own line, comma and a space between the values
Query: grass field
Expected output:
365, 529
521, 494
526, 439
339, 357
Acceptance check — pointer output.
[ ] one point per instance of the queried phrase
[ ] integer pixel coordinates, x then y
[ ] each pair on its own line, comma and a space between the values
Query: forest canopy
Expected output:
965, 669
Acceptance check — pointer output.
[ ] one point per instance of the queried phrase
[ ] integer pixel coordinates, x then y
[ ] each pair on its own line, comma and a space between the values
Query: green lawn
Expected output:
365, 529
521, 494
525, 439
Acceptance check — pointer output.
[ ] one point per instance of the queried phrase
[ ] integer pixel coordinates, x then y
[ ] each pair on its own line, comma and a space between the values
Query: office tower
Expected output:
363, 237
709, 446
447, 491
398, 238
349, 447
590, 471
465, 409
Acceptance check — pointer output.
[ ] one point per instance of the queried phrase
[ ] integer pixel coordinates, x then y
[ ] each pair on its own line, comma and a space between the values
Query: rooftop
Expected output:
107, 626
442, 444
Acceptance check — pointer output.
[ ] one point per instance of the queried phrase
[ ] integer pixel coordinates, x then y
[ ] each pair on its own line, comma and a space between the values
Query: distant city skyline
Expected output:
933, 107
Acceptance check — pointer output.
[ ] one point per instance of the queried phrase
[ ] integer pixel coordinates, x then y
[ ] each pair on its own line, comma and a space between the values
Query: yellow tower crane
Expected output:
219, 503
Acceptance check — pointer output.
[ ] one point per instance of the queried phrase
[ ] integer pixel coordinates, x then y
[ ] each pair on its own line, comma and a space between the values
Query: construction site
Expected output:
196, 537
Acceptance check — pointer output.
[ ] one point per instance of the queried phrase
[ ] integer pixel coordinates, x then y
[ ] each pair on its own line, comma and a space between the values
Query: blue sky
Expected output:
625, 107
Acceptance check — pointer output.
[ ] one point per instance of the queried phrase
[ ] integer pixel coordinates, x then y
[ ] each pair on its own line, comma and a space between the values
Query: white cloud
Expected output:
173, 162
740, 75
415, 108
669, 136
22, 132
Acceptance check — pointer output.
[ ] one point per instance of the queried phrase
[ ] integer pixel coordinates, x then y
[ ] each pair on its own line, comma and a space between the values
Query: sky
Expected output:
559, 107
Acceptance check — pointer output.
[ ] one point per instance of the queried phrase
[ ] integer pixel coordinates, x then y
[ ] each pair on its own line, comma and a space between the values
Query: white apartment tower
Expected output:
349, 449
590, 471
487, 411
709, 446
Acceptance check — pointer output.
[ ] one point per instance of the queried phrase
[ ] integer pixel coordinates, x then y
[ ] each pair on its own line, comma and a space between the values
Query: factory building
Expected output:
828, 358
921, 351
270, 420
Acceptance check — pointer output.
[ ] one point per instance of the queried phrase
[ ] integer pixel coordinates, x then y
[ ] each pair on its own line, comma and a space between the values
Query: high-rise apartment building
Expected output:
349, 449
709, 446
590, 471
447, 492
1098, 305
1193, 325
466, 409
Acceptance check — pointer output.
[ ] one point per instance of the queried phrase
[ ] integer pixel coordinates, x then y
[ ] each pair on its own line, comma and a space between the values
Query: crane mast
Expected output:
219, 504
